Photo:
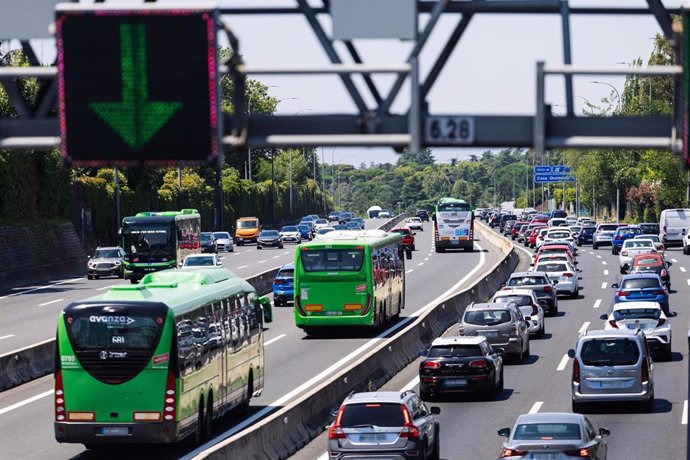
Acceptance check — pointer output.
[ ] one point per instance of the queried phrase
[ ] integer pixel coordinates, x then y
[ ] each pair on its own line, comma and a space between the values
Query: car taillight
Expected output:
579, 453
663, 272
613, 324
659, 292
461, 330
409, 429
535, 310
59, 398
170, 402
548, 289
432, 365
624, 253
279, 281
576, 371
514, 329
506, 452
567, 275
478, 363
335, 431
622, 294
645, 370
661, 247
617, 237
661, 322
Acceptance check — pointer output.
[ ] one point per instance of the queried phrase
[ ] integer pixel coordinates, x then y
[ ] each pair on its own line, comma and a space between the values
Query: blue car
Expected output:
585, 235
283, 285
642, 287
305, 231
622, 234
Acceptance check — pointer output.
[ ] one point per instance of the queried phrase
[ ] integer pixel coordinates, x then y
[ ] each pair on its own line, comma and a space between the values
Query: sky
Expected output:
491, 71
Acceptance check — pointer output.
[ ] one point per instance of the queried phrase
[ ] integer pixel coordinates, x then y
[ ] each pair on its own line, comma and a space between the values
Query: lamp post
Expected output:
618, 95
296, 113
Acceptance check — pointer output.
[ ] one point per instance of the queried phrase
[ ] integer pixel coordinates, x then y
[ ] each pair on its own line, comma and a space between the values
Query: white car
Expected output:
528, 303
646, 316
571, 220
686, 242
562, 257
660, 249
631, 248
323, 232
414, 223
290, 233
201, 260
565, 275
320, 223
224, 241
560, 235
540, 237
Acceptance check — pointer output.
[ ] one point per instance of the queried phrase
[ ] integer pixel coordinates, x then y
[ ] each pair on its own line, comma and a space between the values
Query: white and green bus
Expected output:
453, 225
158, 361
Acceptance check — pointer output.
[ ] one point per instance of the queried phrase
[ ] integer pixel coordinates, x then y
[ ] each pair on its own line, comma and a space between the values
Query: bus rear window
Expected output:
121, 332
332, 260
453, 207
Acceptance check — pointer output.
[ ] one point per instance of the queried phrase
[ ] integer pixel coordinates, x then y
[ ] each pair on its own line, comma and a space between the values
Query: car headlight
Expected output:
91, 265
117, 262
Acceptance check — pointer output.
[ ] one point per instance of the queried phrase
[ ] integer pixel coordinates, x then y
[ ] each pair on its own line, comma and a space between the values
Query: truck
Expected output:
247, 230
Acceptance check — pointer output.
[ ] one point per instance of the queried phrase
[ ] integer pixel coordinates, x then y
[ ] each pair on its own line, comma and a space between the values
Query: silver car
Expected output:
603, 235
224, 241
553, 435
502, 324
105, 261
612, 366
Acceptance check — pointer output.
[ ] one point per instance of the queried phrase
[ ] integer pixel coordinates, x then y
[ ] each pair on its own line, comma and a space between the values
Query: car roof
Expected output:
378, 396
488, 306
458, 340
511, 291
534, 273
634, 276
290, 266
638, 304
608, 333
550, 417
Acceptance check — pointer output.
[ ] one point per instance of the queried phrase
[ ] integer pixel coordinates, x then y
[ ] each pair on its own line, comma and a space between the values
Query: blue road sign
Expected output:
561, 169
551, 178
542, 170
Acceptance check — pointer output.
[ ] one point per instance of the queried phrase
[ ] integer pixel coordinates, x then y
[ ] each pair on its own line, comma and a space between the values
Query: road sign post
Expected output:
125, 94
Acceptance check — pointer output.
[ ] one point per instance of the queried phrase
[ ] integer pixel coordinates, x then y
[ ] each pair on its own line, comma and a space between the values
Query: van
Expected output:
247, 230
673, 224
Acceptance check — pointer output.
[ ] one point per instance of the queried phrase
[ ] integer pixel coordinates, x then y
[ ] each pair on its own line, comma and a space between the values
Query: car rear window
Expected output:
547, 431
559, 235
487, 317
519, 300
609, 352
551, 267
630, 231
527, 281
608, 228
637, 313
454, 351
287, 273
640, 283
638, 244
378, 414
647, 261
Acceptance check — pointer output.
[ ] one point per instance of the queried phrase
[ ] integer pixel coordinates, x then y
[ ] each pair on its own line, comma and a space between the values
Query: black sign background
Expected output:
178, 71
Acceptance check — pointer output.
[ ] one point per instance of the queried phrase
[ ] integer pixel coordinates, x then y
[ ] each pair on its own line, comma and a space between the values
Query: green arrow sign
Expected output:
135, 119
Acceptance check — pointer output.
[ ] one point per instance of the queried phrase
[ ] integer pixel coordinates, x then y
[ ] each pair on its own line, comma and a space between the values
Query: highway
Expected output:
293, 361
542, 383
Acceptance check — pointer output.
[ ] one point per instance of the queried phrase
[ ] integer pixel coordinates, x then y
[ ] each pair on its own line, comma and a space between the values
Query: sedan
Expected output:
631, 248
647, 317
652, 263
561, 434
564, 274
291, 234
644, 286
269, 238
224, 241
585, 235
414, 223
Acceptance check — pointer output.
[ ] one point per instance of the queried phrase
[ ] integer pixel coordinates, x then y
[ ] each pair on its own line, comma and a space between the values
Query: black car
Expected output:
460, 365
585, 235
649, 228
269, 238
208, 243
423, 214
505, 218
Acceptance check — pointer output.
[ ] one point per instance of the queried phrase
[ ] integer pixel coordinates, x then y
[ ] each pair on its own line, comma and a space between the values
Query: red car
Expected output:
408, 237
516, 228
554, 249
533, 236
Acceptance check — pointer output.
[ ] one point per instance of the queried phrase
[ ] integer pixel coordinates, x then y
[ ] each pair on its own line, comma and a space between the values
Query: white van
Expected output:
673, 224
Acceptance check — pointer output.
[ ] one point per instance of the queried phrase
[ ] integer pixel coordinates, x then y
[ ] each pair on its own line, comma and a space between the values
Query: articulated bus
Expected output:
349, 279
453, 225
160, 360
155, 241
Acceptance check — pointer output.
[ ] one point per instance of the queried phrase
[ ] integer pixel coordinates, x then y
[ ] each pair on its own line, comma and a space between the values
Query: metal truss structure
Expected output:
36, 126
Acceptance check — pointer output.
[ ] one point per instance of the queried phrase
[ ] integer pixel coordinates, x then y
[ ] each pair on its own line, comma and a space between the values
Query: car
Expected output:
556, 248
560, 235
540, 236
540, 283
556, 222
558, 214
623, 233
515, 230
105, 261
585, 235
358, 220
309, 223
502, 324
269, 238
632, 248
686, 241
386, 425
528, 303
333, 216
649, 228
647, 317
571, 220
414, 223
658, 245
582, 220
612, 366
304, 231
283, 285
224, 241
320, 223
652, 263
408, 237
208, 243
561, 434
502, 221
385, 214
351, 225
201, 260
423, 214
564, 274
461, 365
641, 286
574, 230
322, 232
508, 228
339, 227
290, 234
673, 224
603, 235
345, 217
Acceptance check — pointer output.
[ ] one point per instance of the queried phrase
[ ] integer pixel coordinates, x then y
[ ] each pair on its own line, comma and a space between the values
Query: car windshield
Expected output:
454, 351
269, 234
637, 313
487, 317
221, 235
106, 254
303, 228
609, 352
527, 281
374, 413
519, 300
640, 283
321, 221
206, 237
552, 267
198, 262
547, 431
247, 224
289, 229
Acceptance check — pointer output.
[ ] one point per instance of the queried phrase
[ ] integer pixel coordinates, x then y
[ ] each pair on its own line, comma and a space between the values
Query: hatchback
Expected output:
291, 233
631, 248
564, 274
283, 285
224, 241
622, 234
502, 324
643, 286
386, 425
612, 366
652, 263
647, 317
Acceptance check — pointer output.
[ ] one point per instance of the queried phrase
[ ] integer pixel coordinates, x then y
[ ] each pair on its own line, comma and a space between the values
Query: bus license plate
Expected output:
334, 313
114, 431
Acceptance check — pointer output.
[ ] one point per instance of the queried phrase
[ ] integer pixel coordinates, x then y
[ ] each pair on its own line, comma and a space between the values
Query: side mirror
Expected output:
669, 263
571, 353
435, 410
502, 285
671, 314
425, 352
500, 351
615, 285
579, 277
265, 303
603, 432
554, 282
603, 317
577, 269
505, 432
543, 303
528, 318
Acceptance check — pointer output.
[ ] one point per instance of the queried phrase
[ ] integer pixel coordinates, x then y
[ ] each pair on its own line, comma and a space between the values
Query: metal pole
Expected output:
618, 198
117, 198
291, 152
323, 181
218, 224
273, 187
249, 149
414, 118
567, 59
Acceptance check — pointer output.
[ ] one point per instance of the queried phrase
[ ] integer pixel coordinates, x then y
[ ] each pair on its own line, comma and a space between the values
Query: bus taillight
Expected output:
59, 398
298, 305
170, 402
368, 306
353, 306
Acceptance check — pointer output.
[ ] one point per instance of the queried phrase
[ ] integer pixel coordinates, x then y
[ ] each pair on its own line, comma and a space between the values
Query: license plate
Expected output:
455, 382
540, 456
372, 437
334, 313
114, 431
488, 333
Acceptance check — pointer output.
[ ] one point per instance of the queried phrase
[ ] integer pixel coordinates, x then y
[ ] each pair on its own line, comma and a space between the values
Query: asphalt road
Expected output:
293, 361
542, 383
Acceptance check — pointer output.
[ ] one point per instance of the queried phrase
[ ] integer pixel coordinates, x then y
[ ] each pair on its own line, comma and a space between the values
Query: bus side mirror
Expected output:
408, 253
265, 303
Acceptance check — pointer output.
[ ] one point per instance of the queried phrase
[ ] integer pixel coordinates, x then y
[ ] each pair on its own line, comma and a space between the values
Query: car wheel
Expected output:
501, 383
668, 354
440, 249
594, 246
490, 393
648, 406
280, 247
413, 248
436, 453
426, 395
578, 407
121, 275
133, 281
542, 331
574, 294
258, 247
527, 351
96, 277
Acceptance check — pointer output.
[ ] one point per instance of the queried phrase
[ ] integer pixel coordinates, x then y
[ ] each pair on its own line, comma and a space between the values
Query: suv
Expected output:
384, 424
649, 228
603, 235
461, 364
542, 286
613, 366
283, 285
423, 214
502, 324
208, 243
105, 261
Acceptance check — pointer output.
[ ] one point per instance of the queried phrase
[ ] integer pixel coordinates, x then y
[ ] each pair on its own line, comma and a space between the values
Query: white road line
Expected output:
72, 280
603, 262
688, 282
674, 261
683, 269
275, 257
606, 272
604, 284
420, 263
105, 287
563, 363
684, 417
584, 327
4, 410
535, 408
591, 252
412, 269
598, 256
425, 259
48, 303
6, 336
274, 339
286, 252
413, 383
236, 254
261, 261
597, 303
242, 266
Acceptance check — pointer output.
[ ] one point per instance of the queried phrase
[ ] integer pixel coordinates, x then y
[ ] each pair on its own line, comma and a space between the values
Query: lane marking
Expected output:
48, 303
688, 282
286, 252
674, 261
261, 261
6, 336
563, 363
4, 410
236, 254
535, 408
598, 256
426, 259
597, 303
604, 284
606, 272
584, 327
591, 252
411, 384
603, 262
684, 417
683, 269
274, 339
106, 287
420, 263
412, 269
275, 257
72, 280
242, 266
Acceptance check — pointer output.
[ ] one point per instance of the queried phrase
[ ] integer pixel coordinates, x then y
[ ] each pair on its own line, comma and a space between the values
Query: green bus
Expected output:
349, 279
155, 241
158, 361
453, 225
